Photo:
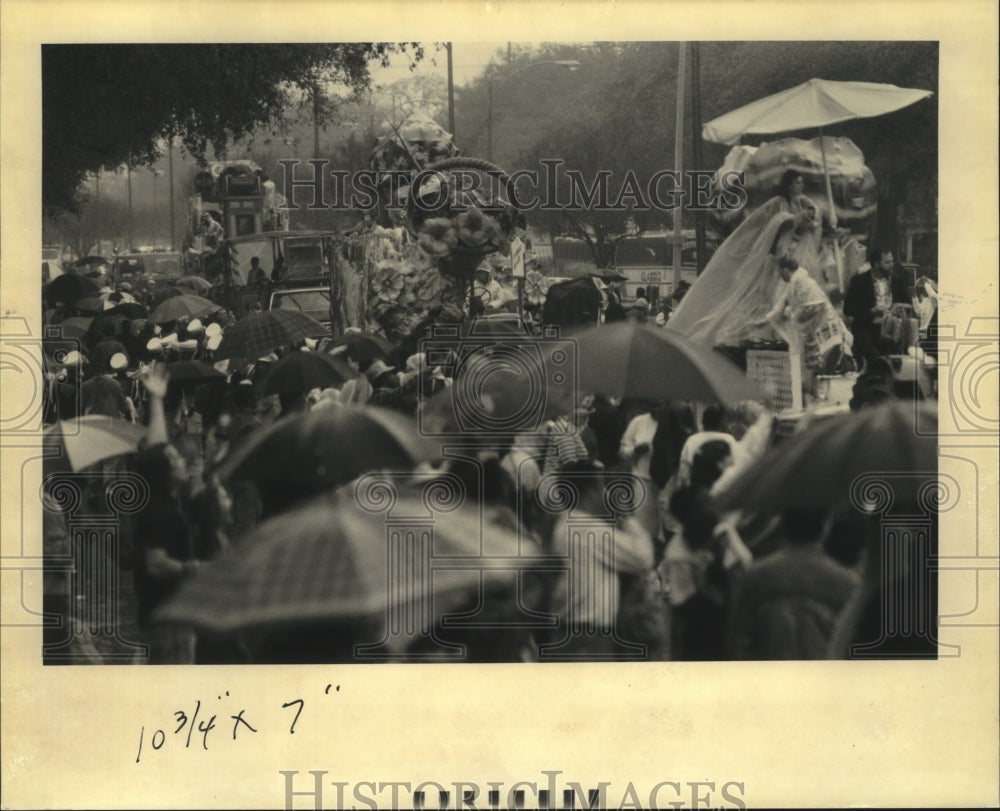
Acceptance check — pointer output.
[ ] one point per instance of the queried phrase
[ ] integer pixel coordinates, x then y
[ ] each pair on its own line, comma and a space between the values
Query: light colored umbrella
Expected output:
333, 560
183, 306
90, 439
814, 104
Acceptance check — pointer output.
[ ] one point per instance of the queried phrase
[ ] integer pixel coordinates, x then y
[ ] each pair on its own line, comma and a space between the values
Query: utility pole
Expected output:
315, 90
696, 156
128, 175
679, 161
451, 94
170, 169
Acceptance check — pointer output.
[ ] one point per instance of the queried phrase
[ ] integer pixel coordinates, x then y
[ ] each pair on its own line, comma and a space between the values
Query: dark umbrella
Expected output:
128, 310
105, 325
333, 560
169, 293
304, 371
260, 334
638, 361
76, 327
184, 306
69, 288
192, 371
90, 261
310, 453
825, 464
195, 283
103, 351
363, 346
90, 305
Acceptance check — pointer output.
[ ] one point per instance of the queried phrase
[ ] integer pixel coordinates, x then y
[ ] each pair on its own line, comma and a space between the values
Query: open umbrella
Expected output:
191, 371
130, 310
304, 371
262, 332
87, 440
310, 453
195, 283
813, 104
69, 288
90, 262
90, 305
818, 467
75, 327
639, 361
184, 306
331, 560
363, 346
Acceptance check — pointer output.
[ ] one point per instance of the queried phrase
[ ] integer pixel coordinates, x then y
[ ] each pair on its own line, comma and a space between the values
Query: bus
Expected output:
646, 262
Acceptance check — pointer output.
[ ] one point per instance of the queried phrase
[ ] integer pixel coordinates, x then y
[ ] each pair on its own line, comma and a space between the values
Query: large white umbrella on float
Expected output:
817, 103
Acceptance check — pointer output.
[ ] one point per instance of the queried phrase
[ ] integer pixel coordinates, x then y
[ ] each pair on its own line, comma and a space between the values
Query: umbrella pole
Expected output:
826, 176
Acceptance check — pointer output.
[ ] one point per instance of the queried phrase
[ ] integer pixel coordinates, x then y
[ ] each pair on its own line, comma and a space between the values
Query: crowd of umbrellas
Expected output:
369, 544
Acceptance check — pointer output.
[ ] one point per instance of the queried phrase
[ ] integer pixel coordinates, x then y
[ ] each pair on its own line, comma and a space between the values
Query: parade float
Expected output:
432, 247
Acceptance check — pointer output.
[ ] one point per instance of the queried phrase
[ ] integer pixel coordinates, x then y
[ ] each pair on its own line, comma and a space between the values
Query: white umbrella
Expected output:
816, 103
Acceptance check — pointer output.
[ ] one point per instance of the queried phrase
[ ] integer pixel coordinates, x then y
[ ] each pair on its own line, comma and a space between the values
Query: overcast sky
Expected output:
469, 59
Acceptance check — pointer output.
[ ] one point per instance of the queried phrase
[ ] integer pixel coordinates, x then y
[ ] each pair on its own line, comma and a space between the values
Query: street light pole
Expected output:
128, 175
451, 94
170, 169
491, 87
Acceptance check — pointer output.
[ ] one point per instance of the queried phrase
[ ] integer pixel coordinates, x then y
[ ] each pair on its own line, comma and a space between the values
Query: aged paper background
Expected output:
800, 734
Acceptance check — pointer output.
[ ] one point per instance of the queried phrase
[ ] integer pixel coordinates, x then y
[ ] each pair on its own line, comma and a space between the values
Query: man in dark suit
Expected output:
869, 298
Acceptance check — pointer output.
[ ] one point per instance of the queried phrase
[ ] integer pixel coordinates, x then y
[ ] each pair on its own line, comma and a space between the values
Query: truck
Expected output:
297, 265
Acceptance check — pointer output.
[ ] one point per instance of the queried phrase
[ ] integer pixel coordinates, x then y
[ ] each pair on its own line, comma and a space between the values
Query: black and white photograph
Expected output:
515, 368
601, 370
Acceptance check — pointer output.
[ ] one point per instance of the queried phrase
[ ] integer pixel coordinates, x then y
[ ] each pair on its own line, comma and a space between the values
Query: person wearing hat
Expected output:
103, 394
614, 311
64, 382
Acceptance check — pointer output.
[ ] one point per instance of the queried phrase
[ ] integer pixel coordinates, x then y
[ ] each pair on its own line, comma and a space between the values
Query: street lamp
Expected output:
491, 86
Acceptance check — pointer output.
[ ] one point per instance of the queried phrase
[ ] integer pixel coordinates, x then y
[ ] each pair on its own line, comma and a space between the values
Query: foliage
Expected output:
623, 97
104, 105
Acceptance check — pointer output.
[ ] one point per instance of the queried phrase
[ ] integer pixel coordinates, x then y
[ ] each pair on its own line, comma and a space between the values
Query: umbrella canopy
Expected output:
192, 371
260, 333
90, 305
195, 283
816, 103
363, 346
304, 371
639, 361
69, 288
310, 453
89, 262
330, 560
87, 440
184, 306
817, 467
129, 310
75, 327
